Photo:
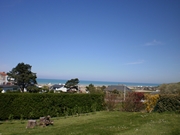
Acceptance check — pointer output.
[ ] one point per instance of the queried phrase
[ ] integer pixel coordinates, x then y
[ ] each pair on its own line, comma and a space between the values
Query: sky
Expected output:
99, 40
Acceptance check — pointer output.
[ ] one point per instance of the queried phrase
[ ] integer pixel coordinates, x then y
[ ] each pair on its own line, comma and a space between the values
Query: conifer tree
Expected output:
22, 76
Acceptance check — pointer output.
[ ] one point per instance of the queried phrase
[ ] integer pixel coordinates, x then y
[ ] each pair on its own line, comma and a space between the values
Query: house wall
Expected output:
3, 79
12, 88
6, 79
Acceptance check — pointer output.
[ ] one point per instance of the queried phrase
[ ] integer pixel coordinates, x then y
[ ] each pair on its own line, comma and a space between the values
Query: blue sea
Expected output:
96, 83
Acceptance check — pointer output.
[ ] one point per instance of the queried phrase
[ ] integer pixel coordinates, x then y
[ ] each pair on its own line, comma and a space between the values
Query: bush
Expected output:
150, 101
168, 103
172, 88
33, 89
133, 102
36, 105
111, 101
95, 90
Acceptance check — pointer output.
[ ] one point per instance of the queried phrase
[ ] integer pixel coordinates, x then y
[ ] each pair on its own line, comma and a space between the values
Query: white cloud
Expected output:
153, 43
135, 63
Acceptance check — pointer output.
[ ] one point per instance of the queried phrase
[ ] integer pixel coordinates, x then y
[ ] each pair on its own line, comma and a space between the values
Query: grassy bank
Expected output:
101, 123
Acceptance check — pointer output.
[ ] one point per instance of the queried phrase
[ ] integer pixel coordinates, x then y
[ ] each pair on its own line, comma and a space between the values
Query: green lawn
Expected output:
101, 123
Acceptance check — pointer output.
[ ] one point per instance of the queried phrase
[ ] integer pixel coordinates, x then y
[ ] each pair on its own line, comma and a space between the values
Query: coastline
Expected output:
95, 83
83, 88
83, 84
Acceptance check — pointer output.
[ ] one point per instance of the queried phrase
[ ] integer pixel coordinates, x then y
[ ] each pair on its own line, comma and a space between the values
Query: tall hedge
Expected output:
168, 103
38, 105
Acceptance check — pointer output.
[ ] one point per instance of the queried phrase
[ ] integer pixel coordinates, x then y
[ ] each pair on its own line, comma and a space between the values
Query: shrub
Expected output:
133, 102
150, 101
95, 90
111, 101
168, 103
36, 105
33, 89
172, 88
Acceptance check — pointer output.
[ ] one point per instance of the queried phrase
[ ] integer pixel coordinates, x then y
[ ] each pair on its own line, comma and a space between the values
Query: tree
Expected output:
45, 89
33, 89
92, 89
72, 83
22, 75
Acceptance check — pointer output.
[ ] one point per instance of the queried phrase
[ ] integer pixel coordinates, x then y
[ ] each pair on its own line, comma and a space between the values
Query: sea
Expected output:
41, 81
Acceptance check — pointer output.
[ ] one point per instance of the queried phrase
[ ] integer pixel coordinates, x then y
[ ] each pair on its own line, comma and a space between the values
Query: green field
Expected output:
101, 123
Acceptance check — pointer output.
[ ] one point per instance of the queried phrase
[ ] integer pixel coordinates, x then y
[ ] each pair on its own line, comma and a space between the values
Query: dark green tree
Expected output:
22, 76
33, 89
72, 83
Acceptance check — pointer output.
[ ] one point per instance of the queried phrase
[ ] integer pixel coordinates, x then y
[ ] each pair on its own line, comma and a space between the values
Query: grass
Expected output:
101, 123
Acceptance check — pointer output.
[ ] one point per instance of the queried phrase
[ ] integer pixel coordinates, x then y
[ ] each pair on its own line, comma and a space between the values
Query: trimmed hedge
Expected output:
37, 105
168, 103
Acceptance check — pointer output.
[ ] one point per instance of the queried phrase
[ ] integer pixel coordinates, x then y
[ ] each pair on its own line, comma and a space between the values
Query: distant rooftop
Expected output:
3, 73
117, 87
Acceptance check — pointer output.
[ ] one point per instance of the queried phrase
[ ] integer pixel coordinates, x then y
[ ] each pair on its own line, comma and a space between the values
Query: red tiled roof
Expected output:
3, 73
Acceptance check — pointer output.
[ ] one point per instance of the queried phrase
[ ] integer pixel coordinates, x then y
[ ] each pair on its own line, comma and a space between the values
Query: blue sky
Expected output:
103, 40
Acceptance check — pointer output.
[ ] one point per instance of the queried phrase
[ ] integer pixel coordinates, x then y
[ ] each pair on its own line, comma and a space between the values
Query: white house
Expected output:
9, 88
3, 78
58, 88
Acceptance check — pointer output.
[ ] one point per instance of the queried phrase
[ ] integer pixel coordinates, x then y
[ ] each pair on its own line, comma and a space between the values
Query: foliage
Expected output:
92, 89
115, 91
21, 118
133, 102
36, 105
111, 101
22, 76
10, 118
168, 103
172, 88
102, 123
1, 90
46, 89
150, 101
72, 83
93, 107
103, 88
33, 89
